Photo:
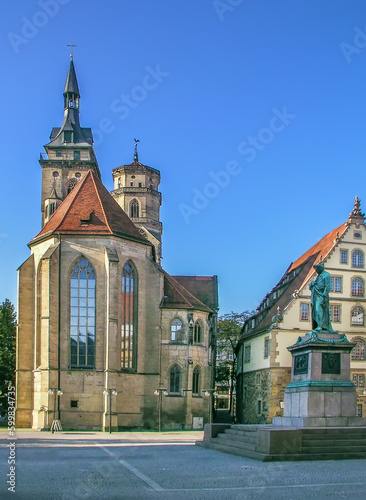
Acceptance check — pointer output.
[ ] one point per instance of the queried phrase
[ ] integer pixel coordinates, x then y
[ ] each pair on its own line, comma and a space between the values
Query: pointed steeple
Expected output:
71, 86
71, 123
69, 154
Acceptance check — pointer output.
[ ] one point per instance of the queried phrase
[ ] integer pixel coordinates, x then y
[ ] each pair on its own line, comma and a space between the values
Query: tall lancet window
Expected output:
129, 318
134, 209
82, 317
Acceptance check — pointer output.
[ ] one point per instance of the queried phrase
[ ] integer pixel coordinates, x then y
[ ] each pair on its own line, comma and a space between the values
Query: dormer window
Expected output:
58, 154
67, 136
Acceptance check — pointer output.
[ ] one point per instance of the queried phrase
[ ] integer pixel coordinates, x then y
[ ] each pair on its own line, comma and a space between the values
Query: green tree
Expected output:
229, 328
7, 351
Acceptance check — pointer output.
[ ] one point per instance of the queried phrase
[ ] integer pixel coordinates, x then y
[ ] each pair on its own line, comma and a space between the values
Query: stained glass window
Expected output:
82, 316
129, 318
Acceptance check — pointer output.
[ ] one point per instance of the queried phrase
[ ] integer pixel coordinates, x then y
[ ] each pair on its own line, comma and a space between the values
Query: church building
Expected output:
105, 336
284, 315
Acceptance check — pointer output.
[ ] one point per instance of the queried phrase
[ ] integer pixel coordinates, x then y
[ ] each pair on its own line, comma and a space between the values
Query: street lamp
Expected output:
209, 393
110, 393
160, 393
56, 424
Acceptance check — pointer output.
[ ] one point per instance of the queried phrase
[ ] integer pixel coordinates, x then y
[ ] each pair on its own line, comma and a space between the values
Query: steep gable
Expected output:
90, 209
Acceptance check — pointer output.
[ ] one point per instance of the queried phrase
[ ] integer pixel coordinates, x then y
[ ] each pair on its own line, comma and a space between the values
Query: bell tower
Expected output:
136, 191
69, 154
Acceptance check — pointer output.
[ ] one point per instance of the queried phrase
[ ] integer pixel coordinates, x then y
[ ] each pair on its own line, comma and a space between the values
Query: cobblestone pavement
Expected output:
163, 466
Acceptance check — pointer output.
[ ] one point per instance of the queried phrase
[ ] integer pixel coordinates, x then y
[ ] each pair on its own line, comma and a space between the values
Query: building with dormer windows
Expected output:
264, 363
102, 328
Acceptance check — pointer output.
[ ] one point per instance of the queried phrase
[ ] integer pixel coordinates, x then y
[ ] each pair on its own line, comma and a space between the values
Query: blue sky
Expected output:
254, 111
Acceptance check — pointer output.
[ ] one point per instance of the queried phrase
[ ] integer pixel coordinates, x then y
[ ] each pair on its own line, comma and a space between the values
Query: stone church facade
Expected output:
102, 328
284, 315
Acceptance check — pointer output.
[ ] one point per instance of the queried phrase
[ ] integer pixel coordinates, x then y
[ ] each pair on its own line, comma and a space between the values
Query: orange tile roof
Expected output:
90, 209
322, 247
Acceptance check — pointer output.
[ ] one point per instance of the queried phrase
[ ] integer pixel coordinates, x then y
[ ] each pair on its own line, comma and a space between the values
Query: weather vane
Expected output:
136, 156
71, 45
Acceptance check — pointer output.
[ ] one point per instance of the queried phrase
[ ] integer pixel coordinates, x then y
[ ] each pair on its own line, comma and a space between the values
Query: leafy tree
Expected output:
229, 328
7, 351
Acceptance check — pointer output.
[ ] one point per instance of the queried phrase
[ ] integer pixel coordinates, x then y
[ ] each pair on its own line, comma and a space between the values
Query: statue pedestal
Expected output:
320, 393
320, 420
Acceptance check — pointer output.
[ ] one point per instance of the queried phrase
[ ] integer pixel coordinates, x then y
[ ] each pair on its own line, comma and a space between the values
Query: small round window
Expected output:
77, 175
55, 174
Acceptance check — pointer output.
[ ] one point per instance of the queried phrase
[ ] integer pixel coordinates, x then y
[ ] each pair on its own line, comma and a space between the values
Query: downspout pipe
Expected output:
59, 328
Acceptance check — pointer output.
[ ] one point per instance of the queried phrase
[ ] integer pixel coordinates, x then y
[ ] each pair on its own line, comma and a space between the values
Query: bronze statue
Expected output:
320, 288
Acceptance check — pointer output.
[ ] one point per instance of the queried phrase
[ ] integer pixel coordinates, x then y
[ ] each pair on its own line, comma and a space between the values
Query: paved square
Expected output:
167, 466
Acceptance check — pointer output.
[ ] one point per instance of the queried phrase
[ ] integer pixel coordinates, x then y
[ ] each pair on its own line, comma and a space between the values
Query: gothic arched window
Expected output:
82, 316
357, 287
175, 375
197, 339
129, 318
134, 209
196, 380
358, 352
176, 327
357, 258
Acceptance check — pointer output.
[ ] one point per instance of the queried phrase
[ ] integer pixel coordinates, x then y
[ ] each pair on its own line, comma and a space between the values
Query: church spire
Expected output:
69, 154
71, 92
71, 86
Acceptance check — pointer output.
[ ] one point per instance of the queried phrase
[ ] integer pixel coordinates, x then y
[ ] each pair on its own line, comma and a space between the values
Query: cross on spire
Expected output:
136, 156
71, 45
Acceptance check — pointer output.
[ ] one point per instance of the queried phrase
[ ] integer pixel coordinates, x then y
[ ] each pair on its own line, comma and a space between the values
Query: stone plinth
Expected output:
320, 393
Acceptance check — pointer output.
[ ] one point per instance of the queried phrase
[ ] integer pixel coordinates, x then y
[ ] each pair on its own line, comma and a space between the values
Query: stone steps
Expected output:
268, 443
227, 440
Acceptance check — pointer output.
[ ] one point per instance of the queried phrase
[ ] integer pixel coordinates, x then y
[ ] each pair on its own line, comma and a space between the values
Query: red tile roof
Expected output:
90, 209
321, 250
176, 296
293, 281
204, 288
